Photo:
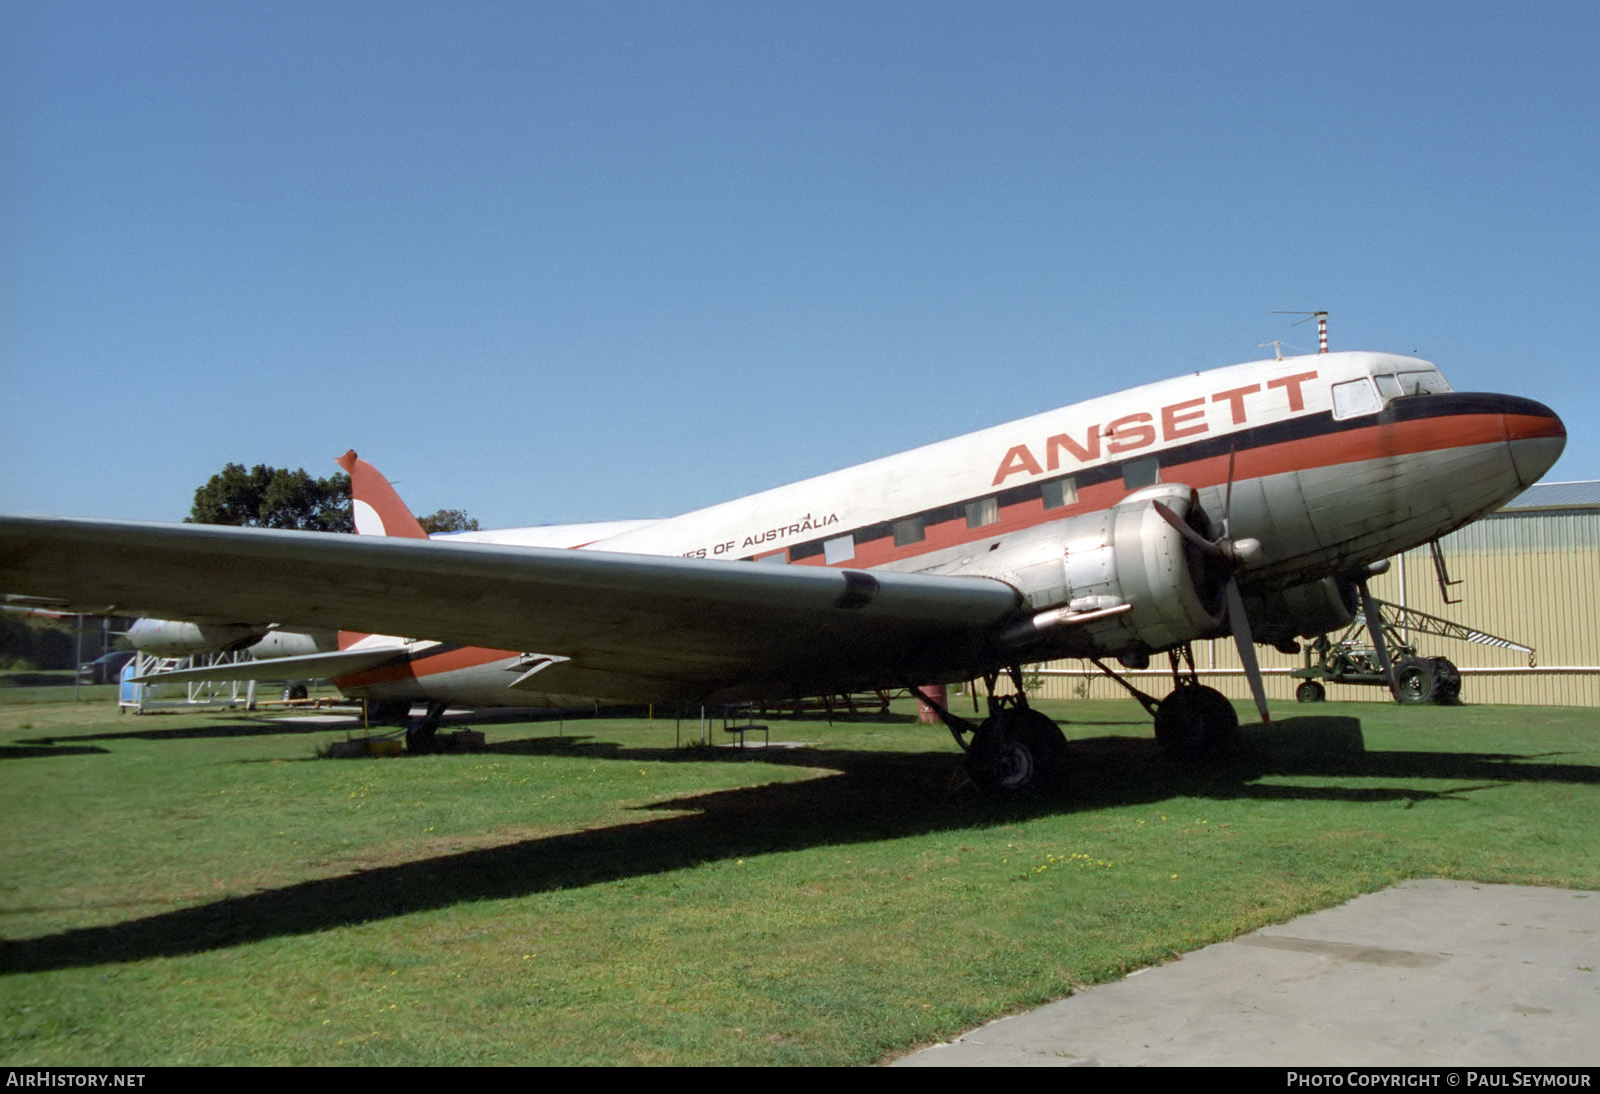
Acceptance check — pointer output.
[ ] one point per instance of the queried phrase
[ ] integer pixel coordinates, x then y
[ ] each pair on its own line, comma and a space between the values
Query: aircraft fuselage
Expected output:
1331, 462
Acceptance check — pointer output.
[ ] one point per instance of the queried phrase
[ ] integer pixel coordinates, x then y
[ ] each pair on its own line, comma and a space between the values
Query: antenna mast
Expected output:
1322, 325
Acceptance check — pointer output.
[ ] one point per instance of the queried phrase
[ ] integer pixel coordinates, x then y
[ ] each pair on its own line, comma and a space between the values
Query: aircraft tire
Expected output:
1310, 691
1196, 722
1181, 726
1017, 752
291, 692
1051, 757
998, 764
1221, 720
1415, 681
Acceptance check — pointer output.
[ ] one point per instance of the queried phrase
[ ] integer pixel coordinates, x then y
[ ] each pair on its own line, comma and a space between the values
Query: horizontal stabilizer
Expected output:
310, 666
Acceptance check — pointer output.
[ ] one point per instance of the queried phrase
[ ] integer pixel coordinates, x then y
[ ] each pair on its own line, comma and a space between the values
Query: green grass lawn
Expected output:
202, 889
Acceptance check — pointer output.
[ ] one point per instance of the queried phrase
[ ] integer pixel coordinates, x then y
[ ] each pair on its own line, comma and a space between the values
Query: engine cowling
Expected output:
294, 643
1125, 555
1302, 611
176, 638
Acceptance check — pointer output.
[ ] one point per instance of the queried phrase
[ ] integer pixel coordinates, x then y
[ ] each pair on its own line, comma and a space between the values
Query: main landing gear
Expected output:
1015, 750
1193, 722
420, 731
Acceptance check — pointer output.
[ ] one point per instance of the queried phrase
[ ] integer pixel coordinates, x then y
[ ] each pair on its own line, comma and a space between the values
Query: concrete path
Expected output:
1428, 973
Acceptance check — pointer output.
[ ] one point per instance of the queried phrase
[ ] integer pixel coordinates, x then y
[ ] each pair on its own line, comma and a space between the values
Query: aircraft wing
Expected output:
618, 626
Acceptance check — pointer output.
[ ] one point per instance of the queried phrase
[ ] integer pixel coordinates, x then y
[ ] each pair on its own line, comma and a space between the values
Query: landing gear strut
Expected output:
420, 731
1015, 750
1194, 721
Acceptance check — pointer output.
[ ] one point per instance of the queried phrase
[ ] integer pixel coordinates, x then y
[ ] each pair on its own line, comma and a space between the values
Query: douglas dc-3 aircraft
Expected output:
1252, 500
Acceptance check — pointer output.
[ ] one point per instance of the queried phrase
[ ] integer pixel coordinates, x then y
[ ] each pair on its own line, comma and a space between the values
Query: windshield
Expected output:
1370, 395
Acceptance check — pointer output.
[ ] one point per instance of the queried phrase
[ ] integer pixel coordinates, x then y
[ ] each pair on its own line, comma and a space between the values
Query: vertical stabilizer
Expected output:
378, 509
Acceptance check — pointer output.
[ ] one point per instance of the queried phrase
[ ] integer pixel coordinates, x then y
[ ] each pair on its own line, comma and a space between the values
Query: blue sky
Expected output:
554, 262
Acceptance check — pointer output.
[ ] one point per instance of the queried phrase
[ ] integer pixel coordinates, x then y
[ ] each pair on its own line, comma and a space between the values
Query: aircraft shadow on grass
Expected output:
265, 727
871, 796
269, 726
31, 750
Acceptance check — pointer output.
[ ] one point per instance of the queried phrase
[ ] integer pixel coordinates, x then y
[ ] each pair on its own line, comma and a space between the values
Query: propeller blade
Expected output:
1239, 622
1227, 500
1374, 617
1213, 549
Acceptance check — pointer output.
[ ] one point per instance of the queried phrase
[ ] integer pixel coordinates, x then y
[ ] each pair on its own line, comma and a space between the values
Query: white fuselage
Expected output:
1331, 461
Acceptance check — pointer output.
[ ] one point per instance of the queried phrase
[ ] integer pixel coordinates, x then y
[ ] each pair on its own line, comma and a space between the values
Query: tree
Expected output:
274, 497
448, 520
28, 643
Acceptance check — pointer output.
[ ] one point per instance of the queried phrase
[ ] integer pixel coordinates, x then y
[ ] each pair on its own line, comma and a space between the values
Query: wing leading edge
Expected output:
631, 627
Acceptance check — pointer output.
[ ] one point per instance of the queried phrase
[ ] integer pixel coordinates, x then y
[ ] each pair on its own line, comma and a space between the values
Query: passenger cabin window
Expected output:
1059, 493
1140, 473
839, 549
983, 511
1355, 397
909, 531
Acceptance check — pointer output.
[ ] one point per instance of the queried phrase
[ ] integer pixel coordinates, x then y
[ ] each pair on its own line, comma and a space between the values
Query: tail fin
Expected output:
378, 512
378, 509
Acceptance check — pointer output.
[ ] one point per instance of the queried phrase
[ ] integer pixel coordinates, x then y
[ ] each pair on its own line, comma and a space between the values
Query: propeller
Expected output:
1231, 555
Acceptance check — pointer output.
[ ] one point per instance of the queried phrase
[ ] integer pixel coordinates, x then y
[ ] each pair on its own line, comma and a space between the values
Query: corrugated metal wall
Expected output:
1532, 577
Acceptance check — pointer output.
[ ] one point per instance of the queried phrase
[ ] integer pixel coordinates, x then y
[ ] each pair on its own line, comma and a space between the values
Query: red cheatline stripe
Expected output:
465, 657
1302, 454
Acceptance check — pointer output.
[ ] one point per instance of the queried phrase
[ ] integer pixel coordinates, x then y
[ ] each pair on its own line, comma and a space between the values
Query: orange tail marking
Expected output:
378, 509
378, 512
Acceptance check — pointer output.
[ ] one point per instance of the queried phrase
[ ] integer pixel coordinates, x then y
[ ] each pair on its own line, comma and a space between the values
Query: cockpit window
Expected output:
1422, 383
1418, 382
1355, 397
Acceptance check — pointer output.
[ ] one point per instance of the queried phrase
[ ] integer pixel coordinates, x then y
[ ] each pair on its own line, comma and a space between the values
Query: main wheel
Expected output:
291, 692
1220, 718
1310, 691
1017, 751
1181, 726
1415, 681
1194, 722
1051, 757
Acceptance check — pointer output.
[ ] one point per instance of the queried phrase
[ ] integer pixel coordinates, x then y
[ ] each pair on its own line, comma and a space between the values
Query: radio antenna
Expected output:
1322, 325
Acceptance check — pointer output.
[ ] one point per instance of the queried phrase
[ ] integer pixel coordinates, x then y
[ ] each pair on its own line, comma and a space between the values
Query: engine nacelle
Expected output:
1126, 555
298, 643
1302, 611
175, 638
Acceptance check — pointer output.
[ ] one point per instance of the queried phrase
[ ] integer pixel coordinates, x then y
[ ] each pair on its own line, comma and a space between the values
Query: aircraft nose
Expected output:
1535, 435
